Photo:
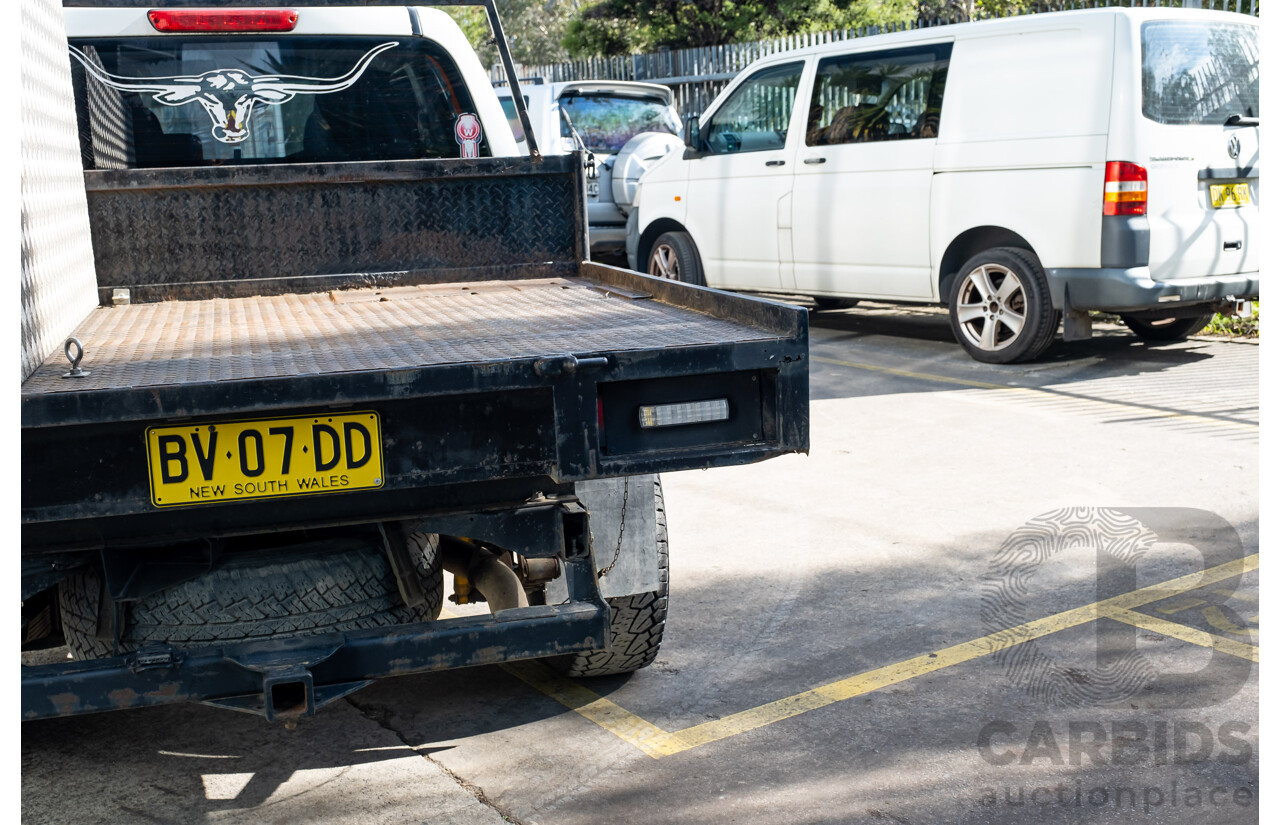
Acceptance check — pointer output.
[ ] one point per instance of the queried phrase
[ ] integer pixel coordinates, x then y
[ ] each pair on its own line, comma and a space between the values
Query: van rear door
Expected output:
1198, 129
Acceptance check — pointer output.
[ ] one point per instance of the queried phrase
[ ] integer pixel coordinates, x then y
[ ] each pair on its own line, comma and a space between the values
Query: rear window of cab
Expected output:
146, 102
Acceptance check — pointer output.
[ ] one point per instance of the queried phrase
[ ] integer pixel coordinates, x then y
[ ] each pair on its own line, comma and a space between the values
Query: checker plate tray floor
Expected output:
186, 342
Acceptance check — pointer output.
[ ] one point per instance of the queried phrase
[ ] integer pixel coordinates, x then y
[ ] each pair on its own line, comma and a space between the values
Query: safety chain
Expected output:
622, 526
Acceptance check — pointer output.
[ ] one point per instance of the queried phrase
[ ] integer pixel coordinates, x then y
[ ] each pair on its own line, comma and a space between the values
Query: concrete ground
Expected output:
837, 649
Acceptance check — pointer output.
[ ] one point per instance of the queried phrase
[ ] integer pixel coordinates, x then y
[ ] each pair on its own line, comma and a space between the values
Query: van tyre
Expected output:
675, 257
825, 302
1166, 329
308, 589
636, 623
1000, 308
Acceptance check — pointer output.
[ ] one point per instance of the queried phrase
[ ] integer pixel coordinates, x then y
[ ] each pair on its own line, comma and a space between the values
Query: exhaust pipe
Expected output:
498, 583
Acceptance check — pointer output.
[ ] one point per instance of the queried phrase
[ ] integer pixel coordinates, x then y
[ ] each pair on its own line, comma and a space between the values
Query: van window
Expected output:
1196, 72
513, 117
756, 116
202, 101
607, 120
889, 95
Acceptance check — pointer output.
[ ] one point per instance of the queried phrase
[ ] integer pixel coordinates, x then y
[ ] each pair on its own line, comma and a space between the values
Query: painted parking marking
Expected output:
1178, 607
1214, 615
1147, 411
1184, 633
1219, 620
658, 743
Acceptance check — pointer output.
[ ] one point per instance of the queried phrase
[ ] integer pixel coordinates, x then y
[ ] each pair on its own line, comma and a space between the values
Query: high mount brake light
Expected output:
1125, 191
217, 20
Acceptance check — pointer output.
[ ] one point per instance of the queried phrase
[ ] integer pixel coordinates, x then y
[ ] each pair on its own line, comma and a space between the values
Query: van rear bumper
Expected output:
1118, 290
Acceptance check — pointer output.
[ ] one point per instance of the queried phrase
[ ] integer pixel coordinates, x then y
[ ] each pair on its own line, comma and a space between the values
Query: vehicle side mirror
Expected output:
692, 138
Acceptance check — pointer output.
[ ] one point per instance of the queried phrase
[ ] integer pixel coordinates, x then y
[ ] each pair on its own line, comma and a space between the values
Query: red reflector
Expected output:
1125, 189
216, 20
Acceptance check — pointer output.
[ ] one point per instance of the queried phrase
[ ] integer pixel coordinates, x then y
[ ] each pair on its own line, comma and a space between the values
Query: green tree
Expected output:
534, 29
962, 10
610, 27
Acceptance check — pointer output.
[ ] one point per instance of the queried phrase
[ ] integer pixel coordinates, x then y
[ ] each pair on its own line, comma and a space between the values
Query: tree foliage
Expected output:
961, 10
610, 27
534, 28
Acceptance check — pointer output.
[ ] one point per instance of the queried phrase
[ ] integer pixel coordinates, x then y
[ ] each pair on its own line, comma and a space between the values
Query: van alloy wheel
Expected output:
674, 256
993, 307
664, 262
1000, 307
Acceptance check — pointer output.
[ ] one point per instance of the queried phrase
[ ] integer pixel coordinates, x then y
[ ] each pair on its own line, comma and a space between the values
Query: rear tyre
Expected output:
675, 257
303, 590
1166, 329
636, 622
824, 302
1001, 312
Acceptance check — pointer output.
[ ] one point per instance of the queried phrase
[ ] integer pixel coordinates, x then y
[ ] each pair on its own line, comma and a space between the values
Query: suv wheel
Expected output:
674, 256
1000, 307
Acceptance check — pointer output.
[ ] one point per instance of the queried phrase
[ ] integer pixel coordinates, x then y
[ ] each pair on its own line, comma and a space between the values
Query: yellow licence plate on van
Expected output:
265, 458
1228, 195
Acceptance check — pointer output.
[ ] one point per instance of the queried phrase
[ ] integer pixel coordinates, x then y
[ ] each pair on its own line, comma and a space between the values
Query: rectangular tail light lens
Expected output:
686, 412
1125, 190
690, 412
218, 20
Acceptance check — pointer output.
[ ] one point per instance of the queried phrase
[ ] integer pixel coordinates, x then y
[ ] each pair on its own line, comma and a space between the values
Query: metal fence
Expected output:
698, 75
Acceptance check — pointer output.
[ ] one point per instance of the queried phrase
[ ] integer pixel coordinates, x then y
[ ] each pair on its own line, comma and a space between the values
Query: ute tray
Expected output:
185, 343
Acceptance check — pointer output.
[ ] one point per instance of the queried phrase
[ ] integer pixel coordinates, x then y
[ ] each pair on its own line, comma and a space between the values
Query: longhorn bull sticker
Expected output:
228, 95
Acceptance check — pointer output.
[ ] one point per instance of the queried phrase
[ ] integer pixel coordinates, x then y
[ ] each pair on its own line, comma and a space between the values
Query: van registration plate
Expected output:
1228, 195
264, 458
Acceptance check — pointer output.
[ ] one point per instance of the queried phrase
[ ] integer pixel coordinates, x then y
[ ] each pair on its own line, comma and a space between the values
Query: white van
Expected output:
625, 126
1020, 171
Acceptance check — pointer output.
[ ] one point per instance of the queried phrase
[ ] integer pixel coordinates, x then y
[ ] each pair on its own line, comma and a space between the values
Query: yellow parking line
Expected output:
1187, 634
658, 743
923, 376
622, 723
1178, 607
1147, 411
1215, 616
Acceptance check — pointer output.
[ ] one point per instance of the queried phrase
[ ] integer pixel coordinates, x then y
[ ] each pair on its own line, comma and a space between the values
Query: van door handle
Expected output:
815, 160
775, 163
1231, 246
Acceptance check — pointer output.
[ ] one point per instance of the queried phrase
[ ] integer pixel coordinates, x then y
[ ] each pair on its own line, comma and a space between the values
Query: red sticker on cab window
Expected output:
467, 131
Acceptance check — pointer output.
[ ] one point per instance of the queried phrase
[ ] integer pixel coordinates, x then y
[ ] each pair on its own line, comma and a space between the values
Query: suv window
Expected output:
1195, 72
756, 116
202, 101
890, 95
606, 121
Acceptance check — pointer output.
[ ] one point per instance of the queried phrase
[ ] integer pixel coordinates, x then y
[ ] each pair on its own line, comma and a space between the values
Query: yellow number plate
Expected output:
200, 463
1228, 195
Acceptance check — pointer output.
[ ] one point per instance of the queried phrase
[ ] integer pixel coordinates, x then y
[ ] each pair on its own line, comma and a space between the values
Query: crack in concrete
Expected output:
381, 715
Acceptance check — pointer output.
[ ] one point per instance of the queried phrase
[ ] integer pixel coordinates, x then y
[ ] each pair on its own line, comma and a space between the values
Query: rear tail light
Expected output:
1125, 191
217, 20
690, 412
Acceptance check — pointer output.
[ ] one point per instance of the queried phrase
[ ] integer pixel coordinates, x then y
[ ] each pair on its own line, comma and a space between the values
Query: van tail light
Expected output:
216, 20
1125, 192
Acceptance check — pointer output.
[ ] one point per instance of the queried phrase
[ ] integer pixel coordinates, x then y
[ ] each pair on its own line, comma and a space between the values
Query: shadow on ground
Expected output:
907, 753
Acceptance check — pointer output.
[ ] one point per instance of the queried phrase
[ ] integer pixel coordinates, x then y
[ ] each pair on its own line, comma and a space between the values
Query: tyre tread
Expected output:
636, 623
